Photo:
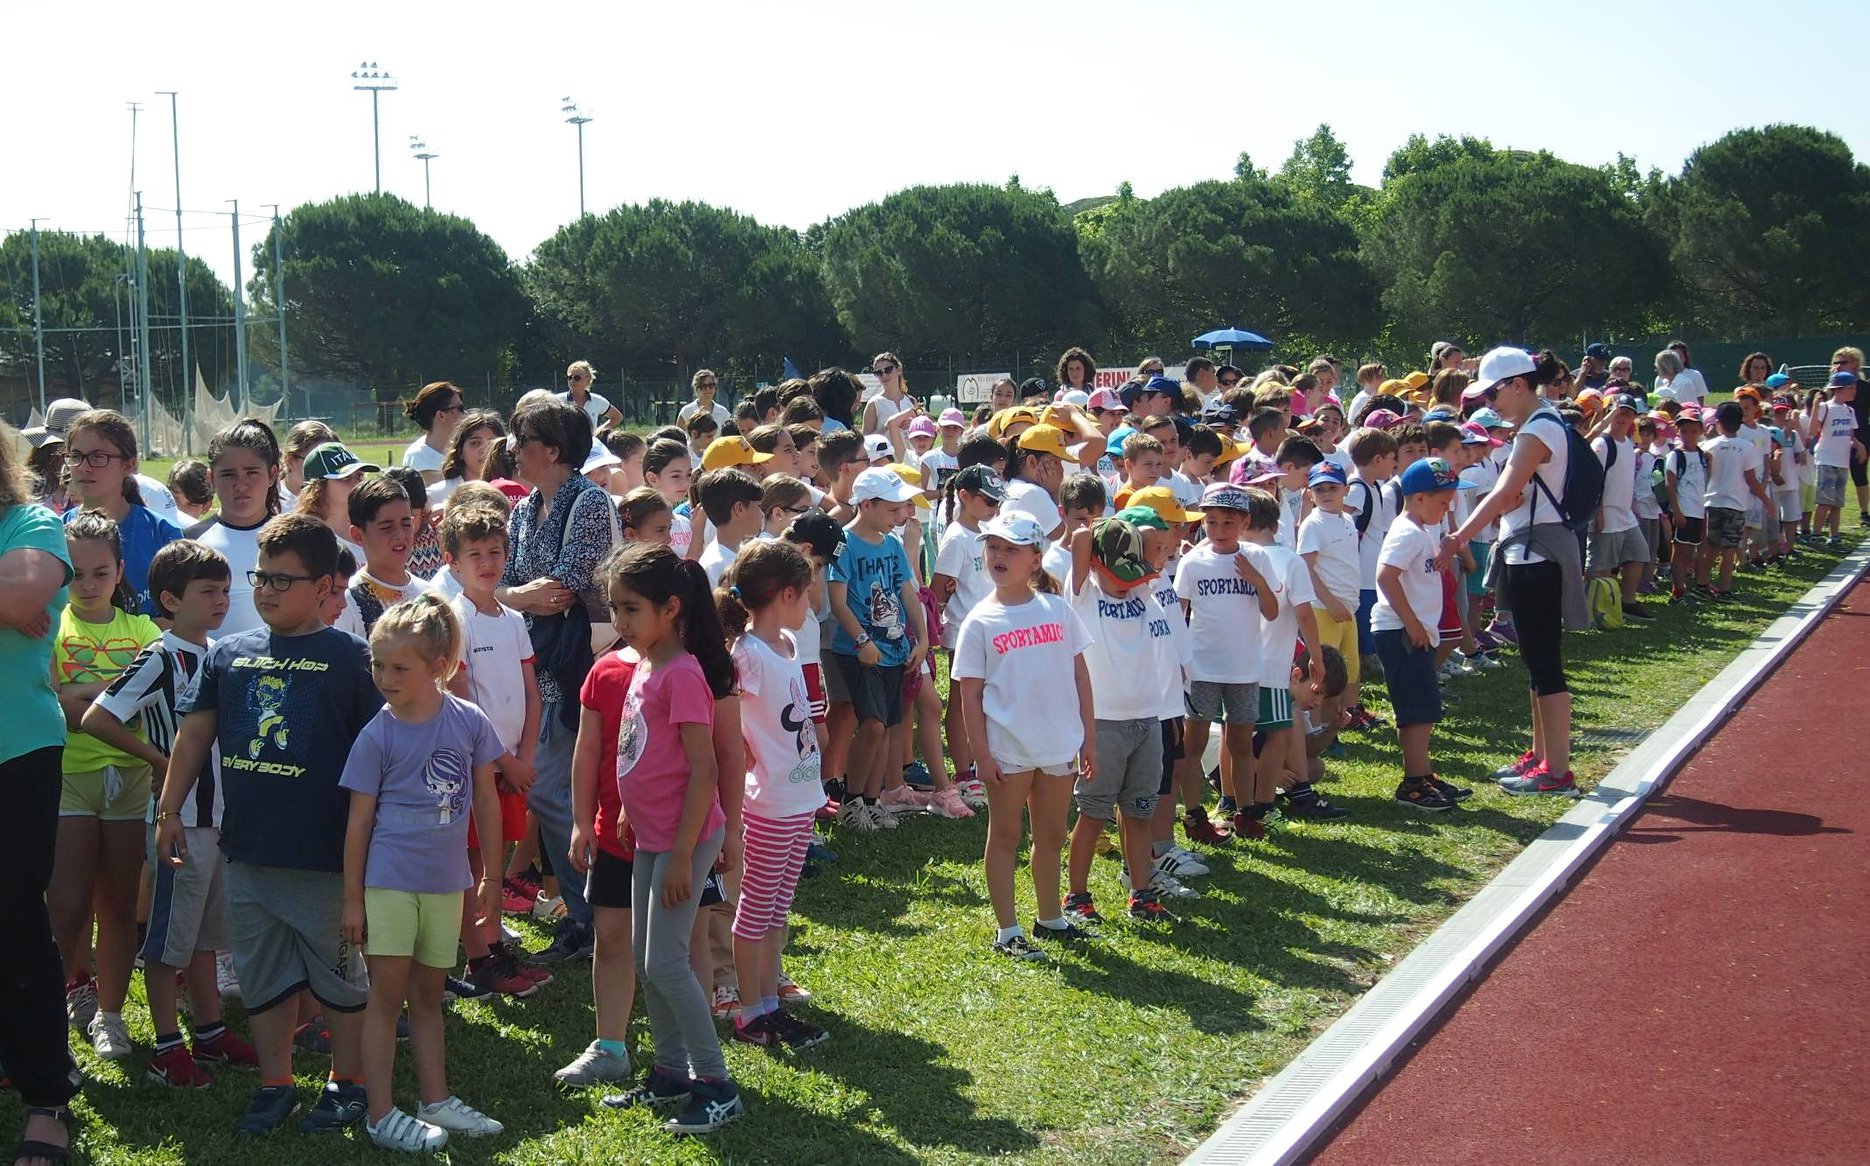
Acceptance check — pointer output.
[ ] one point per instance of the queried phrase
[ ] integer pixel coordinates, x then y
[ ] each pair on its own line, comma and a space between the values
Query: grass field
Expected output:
1126, 1050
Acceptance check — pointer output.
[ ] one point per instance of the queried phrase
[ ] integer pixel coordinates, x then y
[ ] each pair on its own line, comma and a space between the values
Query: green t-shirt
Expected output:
83, 652
34, 720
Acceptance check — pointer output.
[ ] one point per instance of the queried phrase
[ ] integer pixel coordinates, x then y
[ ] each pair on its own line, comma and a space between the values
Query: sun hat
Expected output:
1749, 393
1163, 501
1488, 419
1076, 397
1231, 451
1045, 439
998, 423
332, 461
1839, 379
913, 476
1381, 419
1472, 434
1597, 351
1106, 400
600, 458
880, 485
1034, 387
1326, 474
982, 480
725, 453
1142, 517
1018, 529
1690, 414
1778, 380
1501, 364
1430, 475
952, 418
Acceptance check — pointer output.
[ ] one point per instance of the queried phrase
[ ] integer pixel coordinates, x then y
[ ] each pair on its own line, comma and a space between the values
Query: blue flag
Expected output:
792, 370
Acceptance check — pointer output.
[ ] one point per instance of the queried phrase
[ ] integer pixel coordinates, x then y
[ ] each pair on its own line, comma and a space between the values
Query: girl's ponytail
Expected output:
701, 628
763, 570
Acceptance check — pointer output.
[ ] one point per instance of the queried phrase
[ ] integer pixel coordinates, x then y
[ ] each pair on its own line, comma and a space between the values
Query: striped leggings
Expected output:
775, 854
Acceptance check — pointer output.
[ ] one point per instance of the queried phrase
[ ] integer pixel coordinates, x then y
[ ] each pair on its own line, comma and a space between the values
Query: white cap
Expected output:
1019, 529
881, 485
1498, 365
877, 448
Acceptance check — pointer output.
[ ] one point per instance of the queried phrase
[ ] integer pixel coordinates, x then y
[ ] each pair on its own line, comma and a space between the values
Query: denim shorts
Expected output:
1415, 696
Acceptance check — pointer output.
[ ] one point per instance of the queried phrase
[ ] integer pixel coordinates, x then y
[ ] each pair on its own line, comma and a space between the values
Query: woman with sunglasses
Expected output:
579, 377
892, 400
436, 409
706, 385
1536, 560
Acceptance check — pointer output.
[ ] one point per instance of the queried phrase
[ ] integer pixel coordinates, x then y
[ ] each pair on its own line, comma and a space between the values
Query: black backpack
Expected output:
1583, 489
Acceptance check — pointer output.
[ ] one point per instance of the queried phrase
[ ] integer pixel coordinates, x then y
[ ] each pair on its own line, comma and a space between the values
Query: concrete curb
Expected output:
1304, 1100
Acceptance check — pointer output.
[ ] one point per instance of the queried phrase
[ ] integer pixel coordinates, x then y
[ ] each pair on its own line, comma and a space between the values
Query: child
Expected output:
418, 769
383, 523
1835, 447
425, 548
106, 789
1446, 441
874, 601
644, 515
731, 501
840, 460
1762, 529
244, 459
331, 473
767, 599
1409, 588
1732, 484
1685, 475
1294, 461
782, 499
942, 462
1374, 456
193, 488
189, 583
100, 457
1081, 498
1328, 545
1788, 484
1037, 732
1648, 508
1140, 467
628, 449
1284, 748
960, 582
1226, 600
670, 787
284, 703
667, 470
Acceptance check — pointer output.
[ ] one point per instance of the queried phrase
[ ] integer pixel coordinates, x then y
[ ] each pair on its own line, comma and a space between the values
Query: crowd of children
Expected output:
349, 732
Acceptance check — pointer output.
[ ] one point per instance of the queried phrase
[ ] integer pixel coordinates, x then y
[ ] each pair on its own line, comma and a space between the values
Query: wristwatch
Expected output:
860, 641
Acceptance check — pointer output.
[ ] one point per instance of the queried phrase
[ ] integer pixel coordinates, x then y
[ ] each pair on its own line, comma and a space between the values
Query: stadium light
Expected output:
367, 76
576, 117
424, 155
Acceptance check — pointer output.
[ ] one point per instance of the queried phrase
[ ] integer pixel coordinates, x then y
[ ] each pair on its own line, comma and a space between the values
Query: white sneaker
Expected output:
224, 978
548, 910
1165, 885
399, 1131
1175, 866
81, 1005
856, 815
458, 1117
594, 1066
972, 792
882, 817
110, 1036
1189, 856
1485, 660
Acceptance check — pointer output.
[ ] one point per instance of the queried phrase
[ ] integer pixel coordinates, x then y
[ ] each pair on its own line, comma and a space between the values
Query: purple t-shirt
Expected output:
652, 765
422, 776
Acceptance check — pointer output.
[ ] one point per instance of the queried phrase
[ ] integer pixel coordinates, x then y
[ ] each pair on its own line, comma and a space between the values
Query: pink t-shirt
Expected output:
652, 766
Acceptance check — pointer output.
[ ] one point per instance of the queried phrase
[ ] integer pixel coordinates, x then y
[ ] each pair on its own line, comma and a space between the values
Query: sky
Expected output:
796, 112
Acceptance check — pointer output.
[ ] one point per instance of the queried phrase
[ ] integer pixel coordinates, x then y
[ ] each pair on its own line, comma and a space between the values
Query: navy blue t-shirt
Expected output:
288, 708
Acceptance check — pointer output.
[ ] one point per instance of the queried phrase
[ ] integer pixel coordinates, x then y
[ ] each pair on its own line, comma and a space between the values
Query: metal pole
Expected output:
376, 139
428, 199
240, 312
581, 169
142, 300
181, 251
279, 309
38, 318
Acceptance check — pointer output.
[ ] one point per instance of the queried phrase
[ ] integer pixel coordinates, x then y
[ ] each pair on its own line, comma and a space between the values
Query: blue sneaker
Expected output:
817, 851
572, 941
917, 774
339, 1107
711, 1105
272, 1106
659, 1087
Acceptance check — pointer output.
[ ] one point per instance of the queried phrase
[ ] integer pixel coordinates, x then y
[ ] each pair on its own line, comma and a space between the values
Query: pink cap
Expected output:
1382, 419
953, 417
921, 427
1106, 399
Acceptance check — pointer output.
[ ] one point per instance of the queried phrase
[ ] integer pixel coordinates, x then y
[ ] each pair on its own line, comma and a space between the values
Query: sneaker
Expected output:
571, 941
972, 792
797, 1035
1485, 661
1719, 596
521, 964
110, 1036
659, 1087
711, 1105
1199, 829
1502, 630
500, 975
1526, 763
791, 993
726, 1000
1186, 855
1146, 907
1834, 542
1069, 933
515, 899
1080, 909
226, 1049
1018, 947
1454, 793
1541, 782
272, 1106
311, 1038
548, 910
225, 979
1249, 827
458, 1117
81, 1003
758, 1032
903, 799
1181, 866
339, 1107
1422, 796
456, 988
175, 1068
948, 803
917, 774
594, 1066
1637, 611
399, 1131
1163, 885
1315, 808
859, 816
816, 851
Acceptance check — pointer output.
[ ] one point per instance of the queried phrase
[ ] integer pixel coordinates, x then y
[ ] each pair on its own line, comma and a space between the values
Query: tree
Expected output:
389, 295
967, 272
1319, 170
1418, 154
1771, 231
1500, 246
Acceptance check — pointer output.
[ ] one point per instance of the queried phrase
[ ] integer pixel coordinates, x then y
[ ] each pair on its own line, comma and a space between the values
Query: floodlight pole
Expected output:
181, 250
279, 306
368, 77
423, 155
142, 302
240, 312
576, 118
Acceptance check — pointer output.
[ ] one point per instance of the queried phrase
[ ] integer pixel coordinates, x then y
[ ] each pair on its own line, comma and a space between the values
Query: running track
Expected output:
1702, 995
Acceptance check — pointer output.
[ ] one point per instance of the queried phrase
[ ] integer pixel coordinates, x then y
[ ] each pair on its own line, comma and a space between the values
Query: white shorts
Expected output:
1791, 506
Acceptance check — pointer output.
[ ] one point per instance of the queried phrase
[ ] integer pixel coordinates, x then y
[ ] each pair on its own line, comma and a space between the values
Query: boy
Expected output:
1265, 429
1685, 475
872, 587
1762, 515
1294, 461
1226, 600
1616, 545
1787, 485
1403, 622
1317, 732
382, 523
1082, 498
839, 462
189, 583
1143, 465
1328, 545
1167, 430
1291, 582
1446, 441
284, 703
702, 429
1372, 509
1732, 486
1370, 378
1835, 447
1200, 453
193, 487
731, 500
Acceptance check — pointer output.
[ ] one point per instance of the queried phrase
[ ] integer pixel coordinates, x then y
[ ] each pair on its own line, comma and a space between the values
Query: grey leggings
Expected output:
679, 1020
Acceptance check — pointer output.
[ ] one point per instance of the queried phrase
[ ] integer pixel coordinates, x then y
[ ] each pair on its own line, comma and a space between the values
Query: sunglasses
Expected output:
707, 384
884, 370
575, 377
457, 407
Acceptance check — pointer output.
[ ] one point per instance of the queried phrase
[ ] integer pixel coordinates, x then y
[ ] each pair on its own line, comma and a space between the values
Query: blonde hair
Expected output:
305, 437
472, 523
427, 624
583, 366
15, 483
783, 490
484, 495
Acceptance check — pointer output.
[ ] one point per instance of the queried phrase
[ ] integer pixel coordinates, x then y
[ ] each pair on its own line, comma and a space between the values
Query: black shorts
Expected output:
1172, 752
1690, 531
1409, 672
1534, 594
607, 884
1860, 473
876, 693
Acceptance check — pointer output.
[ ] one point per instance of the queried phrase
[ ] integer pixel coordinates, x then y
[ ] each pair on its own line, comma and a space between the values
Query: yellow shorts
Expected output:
412, 923
116, 793
1343, 637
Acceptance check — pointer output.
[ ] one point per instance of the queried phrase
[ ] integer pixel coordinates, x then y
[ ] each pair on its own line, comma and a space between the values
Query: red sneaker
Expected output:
498, 974
1248, 827
1199, 829
227, 1049
175, 1068
514, 898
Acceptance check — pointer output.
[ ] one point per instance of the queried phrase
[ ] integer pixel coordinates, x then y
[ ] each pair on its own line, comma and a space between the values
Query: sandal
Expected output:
32, 1148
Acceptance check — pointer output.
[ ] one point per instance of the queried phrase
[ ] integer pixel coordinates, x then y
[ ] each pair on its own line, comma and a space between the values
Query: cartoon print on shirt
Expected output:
886, 612
269, 696
446, 776
796, 718
632, 735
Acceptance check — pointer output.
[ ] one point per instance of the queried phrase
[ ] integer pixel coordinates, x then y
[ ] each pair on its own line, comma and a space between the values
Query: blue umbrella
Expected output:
1231, 338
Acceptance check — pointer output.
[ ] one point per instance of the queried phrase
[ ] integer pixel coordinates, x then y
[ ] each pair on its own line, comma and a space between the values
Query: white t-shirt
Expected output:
1547, 428
1763, 446
1836, 426
1411, 547
1291, 504
384, 593
1334, 538
1729, 460
420, 455
445, 583
1383, 512
936, 468
1030, 499
241, 548
493, 648
776, 721
1688, 387
1135, 657
1027, 655
1187, 491
1484, 474
1646, 505
595, 407
960, 558
1279, 637
1056, 562
717, 411
681, 533
1619, 502
1691, 480
1223, 614
1790, 478
716, 557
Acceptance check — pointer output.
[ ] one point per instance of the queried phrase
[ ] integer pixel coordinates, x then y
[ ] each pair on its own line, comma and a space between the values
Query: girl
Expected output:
782, 499
766, 601
467, 453
244, 461
301, 439
100, 452
1035, 732
671, 790
667, 470
972, 497
645, 516
421, 765
193, 488
627, 474
333, 472
98, 858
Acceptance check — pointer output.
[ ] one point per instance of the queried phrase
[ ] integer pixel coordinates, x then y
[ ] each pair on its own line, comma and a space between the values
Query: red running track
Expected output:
1702, 995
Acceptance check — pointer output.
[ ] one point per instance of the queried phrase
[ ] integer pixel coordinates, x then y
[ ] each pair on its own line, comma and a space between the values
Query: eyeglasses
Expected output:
520, 439
706, 384
574, 377
884, 370
97, 459
277, 580
457, 407
796, 509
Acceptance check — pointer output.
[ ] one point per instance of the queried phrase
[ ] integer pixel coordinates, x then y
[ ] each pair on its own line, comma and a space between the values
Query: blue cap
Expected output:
1778, 380
1167, 386
1325, 473
1488, 419
1113, 445
1431, 474
1841, 378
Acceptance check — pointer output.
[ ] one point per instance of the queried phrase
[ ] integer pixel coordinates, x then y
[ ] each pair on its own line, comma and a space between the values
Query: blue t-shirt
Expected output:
34, 719
288, 708
144, 533
422, 776
873, 575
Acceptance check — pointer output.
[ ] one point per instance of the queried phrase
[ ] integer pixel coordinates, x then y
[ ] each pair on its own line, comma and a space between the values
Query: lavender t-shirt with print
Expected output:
422, 776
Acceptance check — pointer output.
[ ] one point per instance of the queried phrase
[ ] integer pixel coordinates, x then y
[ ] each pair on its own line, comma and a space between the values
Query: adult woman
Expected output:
1755, 368
1851, 360
1676, 375
45, 468
579, 377
301, 439
436, 409
1076, 370
1536, 561
558, 533
467, 453
892, 400
34, 568
837, 393
705, 384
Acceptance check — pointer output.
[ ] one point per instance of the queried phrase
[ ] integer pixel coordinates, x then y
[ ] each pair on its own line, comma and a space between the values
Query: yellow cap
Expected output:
1162, 500
1231, 450
727, 452
997, 424
1045, 439
913, 476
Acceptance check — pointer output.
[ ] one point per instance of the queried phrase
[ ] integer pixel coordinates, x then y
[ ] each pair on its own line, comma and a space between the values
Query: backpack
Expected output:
1659, 477
1583, 489
1371, 498
1606, 603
